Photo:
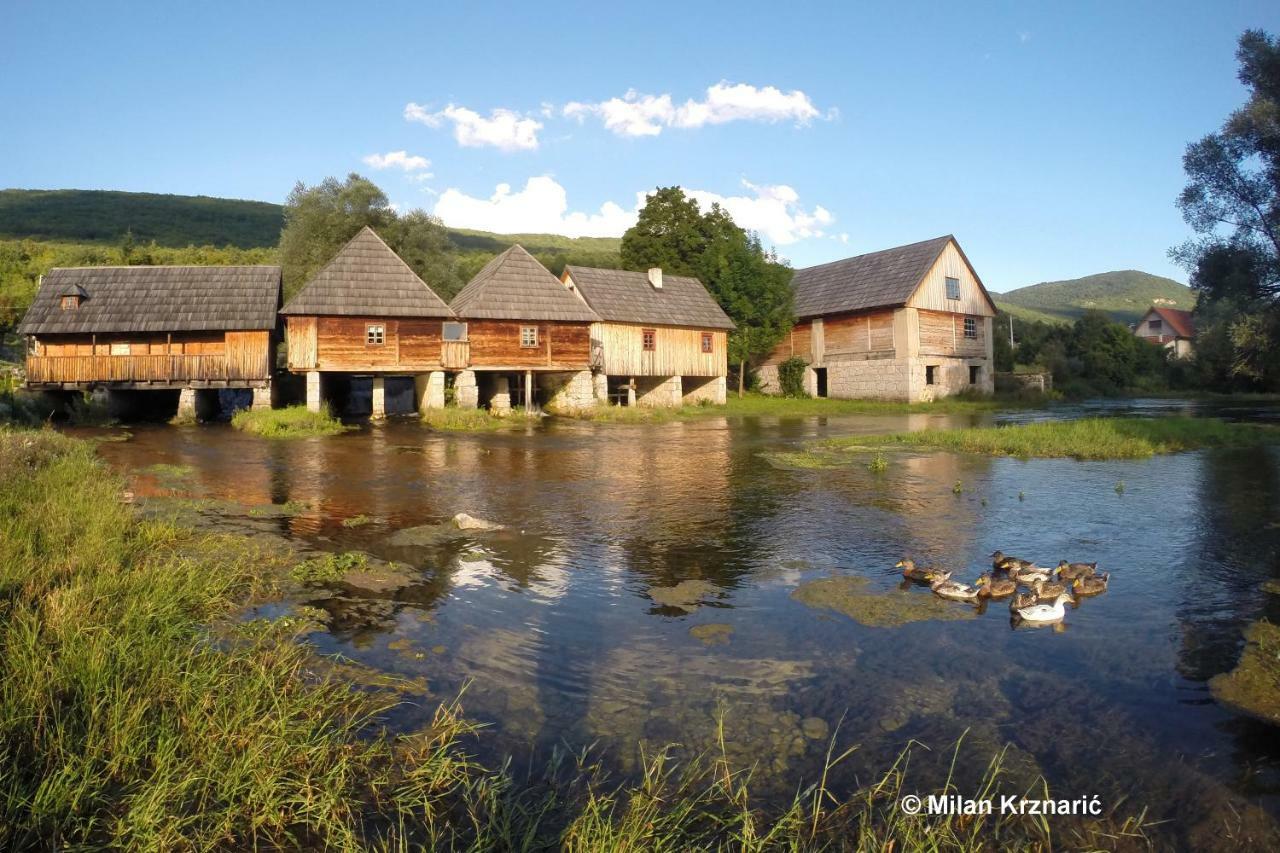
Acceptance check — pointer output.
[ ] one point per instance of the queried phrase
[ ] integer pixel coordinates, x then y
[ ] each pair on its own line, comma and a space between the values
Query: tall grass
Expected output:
1086, 438
455, 419
134, 713
290, 422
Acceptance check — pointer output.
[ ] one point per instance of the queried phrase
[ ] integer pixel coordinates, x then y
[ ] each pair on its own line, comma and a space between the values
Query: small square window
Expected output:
953, 288
928, 374
375, 334
971, 328
707, 342
70, 302
650, 339
454, 331
1155, 325
528, 336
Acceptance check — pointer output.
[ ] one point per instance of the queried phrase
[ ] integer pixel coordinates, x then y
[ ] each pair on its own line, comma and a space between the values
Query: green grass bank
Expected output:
291, 422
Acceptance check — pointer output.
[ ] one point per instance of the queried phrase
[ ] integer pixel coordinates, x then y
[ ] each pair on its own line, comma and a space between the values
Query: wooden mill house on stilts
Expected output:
661, 340
526, 331
366, 313
189, 330
910, 323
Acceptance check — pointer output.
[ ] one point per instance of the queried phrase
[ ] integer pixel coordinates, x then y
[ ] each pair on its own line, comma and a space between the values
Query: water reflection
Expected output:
582, 621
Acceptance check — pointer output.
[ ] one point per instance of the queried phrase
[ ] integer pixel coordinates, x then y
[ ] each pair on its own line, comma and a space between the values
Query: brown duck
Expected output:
1071, 571
994, 587
1091, 585
926, 574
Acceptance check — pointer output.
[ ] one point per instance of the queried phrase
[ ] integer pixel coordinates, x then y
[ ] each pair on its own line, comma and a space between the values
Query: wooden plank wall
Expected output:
856, 334
153, 343
300, 340
561, 346
931, 295
409, 344
248, 355
943, 334
677, 351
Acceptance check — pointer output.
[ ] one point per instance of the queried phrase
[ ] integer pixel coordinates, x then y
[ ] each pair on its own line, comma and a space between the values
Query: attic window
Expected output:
69, 302
649, 337
953, 288
707, 342
528, 336
375, 334
1153, 325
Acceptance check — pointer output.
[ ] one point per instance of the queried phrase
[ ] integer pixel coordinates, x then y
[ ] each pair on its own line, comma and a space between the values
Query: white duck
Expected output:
954, 590
1045, 614
1029, 575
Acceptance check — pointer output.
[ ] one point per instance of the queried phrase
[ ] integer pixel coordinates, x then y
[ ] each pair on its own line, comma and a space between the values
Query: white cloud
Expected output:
401, 160
635, 114
504, 129
542, 206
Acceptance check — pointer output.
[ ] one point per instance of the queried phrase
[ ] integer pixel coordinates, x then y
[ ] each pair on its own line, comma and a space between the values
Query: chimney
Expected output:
655, 277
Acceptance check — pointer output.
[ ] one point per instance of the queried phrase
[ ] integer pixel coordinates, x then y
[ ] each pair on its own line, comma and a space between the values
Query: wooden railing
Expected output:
125, 368
454, 355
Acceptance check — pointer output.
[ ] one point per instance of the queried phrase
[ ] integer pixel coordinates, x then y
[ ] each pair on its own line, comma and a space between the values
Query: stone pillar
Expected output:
660, 391
428, 390
568, 392
263, 398
314, 397
710, 389
186, 405
465, 393
631, 391
528, 391
720, 390
379, 398
500, 402
600, 387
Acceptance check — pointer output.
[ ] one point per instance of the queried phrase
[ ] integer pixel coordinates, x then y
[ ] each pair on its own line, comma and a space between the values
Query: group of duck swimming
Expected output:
1039, 595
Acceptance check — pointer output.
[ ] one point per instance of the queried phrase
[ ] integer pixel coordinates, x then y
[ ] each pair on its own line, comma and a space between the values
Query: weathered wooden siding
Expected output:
177, 343
855, 334
931, 295
943, 334
300, 340
339, 344
127, 368
157, 358
677, 351
248, 355
561, 346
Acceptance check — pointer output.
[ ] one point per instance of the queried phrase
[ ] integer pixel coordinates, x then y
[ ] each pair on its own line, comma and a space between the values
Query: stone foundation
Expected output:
568, 392
897, 379
767, 379
500, 401
600, 387
699, 389
315, 399
264, 398
378, 399
465, 393
428, 390
658, 391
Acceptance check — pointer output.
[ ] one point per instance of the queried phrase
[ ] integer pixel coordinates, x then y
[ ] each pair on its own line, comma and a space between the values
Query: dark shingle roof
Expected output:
155, 299
875, 280
366, 278
623, 296
514, 286
1182, 322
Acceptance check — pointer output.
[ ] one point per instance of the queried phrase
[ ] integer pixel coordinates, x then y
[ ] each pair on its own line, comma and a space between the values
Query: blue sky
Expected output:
1046, 137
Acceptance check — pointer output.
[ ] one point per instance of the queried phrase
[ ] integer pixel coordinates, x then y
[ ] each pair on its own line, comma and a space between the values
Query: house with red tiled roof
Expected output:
1173, 329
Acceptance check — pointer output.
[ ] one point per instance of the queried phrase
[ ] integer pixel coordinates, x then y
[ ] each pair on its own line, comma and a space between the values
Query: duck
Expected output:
953, 590
1044, 614
1048, 589
1029, 575
928, 574
993, 587
1091, 585
1002, 563
1071, 571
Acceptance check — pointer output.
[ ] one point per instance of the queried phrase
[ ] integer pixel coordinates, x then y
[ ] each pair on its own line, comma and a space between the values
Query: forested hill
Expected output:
1124, 294
103, 216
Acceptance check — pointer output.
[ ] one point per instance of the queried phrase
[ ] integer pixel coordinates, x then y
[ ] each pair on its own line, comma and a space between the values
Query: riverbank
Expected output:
137, 711
1083, 438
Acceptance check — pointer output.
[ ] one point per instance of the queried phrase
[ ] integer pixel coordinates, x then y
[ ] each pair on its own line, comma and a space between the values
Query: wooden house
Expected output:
911, 323
661, 340
1171, 328
154, 328
524, 329
367, 313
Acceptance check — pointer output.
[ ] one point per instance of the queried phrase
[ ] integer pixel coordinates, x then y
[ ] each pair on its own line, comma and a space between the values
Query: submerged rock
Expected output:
814, 728
685, 595
1253, 687
713, 633
462, 521
852, 597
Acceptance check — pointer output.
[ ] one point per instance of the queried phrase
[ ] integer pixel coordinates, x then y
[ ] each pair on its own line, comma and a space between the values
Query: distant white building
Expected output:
1173, 329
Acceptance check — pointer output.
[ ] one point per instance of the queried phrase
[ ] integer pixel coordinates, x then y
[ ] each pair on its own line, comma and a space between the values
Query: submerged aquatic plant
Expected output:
330, 567
879, 464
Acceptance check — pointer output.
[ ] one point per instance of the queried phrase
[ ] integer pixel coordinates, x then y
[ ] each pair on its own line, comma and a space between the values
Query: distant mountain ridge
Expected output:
1123, 294
103, 216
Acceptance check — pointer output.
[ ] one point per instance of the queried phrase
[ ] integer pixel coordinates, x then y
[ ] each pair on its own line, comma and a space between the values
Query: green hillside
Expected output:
1124, 294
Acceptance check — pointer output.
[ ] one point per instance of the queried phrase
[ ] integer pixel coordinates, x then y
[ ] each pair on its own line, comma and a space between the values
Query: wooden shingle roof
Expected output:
155, 299
514, 286
366, 278
884, 279
622, 296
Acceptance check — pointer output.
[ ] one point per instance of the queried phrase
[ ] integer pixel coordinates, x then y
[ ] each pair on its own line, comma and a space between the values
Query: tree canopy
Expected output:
320, 219
752, 285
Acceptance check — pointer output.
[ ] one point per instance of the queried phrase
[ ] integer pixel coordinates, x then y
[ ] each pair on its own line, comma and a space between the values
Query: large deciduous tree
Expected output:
1232, 200
318, 220
752, 285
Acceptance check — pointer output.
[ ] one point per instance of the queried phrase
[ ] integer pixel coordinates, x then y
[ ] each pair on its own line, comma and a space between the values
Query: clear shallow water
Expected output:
568, 632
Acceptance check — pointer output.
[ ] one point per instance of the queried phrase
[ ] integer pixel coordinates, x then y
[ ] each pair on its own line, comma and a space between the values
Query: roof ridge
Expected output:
881, 251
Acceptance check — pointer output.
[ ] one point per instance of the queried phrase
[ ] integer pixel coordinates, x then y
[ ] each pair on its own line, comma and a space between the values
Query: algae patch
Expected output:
712, 634
1253, 687
685, 595
852, 597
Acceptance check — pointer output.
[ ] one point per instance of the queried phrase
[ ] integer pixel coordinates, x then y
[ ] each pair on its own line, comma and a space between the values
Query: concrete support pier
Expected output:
708, 389
660, 391
570, 392
428, 390
263, 398
500, 402
314, 398
631, 392
379, 398
528, 391
600, 388
465, 393
186, 405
